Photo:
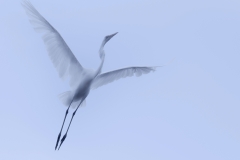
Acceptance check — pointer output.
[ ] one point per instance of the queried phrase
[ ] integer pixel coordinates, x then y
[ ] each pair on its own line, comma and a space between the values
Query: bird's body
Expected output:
80, 79
80, 92
83, 88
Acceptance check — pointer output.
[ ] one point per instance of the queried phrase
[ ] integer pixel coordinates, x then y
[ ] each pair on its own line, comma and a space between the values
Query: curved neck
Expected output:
102, 55
101, 51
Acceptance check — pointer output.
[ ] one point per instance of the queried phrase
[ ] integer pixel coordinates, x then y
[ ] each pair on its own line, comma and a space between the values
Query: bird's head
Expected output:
107, 38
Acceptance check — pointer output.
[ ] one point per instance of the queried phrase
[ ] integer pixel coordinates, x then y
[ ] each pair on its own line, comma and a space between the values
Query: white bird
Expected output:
80, 79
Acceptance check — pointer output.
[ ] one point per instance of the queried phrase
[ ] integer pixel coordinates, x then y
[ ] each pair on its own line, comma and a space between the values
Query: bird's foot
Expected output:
59, 135
62, 140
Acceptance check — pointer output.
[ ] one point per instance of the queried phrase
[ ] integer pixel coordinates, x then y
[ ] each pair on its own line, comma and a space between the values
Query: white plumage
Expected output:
108, 77
80, 79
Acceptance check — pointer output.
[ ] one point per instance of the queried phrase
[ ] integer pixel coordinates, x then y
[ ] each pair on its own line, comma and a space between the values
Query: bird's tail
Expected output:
66, 98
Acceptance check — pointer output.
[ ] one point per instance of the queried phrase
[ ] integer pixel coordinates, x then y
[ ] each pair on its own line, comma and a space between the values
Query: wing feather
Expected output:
111, 76
60, 54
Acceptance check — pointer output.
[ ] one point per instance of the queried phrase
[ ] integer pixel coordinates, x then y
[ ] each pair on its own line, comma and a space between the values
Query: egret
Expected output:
81, 79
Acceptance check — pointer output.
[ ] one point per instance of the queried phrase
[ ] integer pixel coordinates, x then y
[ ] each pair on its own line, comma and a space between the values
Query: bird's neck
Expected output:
102, 55
101, 51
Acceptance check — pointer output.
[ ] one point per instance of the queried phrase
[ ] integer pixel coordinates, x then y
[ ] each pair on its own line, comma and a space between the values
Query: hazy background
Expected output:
186, 110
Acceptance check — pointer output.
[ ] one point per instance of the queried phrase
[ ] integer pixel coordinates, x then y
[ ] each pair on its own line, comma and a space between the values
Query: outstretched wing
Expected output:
111, 76
60, 54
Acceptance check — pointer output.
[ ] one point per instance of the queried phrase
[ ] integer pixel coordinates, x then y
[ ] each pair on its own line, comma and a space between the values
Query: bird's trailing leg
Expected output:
59, 135
64, 137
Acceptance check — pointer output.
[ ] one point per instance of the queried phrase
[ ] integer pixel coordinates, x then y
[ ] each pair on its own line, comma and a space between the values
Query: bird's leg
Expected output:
59, 135
64, 137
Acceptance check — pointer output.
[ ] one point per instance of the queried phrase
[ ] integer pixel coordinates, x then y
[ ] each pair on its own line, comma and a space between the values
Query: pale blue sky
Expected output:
186, 110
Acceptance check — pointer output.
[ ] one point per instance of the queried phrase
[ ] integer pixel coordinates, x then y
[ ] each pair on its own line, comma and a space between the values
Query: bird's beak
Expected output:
113, 34
107, 38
